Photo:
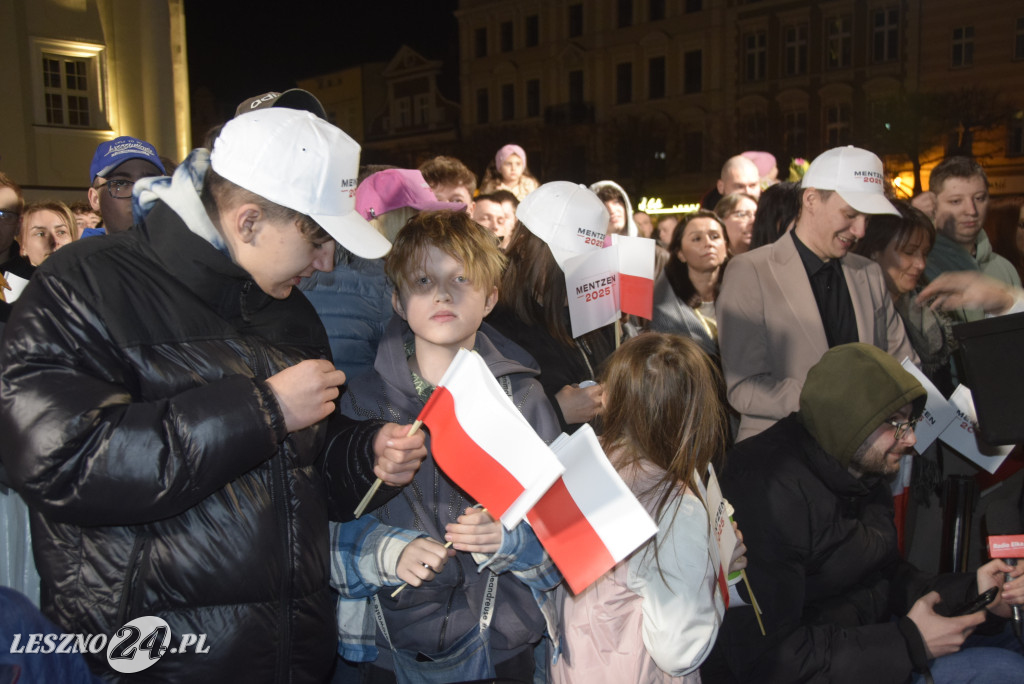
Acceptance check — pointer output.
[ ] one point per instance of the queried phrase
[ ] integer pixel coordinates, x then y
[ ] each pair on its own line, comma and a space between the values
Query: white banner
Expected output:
961, 434
592, 285
938, 413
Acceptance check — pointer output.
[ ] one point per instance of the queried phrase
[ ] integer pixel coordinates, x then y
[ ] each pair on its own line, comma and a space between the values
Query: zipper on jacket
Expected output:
459, 584
131, 576
278, 497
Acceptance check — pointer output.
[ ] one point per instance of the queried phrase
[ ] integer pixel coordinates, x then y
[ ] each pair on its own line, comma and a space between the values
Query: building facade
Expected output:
78, 72
659, 93
394, 109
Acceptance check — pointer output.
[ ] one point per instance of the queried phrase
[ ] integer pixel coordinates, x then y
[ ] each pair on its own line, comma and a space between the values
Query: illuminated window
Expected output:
68, 87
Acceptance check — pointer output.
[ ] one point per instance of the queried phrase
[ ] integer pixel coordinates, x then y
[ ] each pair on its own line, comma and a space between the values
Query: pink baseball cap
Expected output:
764, 161
393, 189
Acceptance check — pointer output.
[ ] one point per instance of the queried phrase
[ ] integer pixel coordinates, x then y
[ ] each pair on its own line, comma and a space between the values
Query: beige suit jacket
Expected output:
770, 332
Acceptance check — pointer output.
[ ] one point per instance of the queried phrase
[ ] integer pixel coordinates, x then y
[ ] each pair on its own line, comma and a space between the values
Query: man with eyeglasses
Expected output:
837, 600
116, 166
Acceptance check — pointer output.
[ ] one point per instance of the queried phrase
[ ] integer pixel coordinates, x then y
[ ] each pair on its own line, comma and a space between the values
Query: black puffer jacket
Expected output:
137, 425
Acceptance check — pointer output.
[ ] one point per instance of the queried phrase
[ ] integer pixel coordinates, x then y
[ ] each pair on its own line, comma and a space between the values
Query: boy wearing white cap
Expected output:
165, 408
782, 306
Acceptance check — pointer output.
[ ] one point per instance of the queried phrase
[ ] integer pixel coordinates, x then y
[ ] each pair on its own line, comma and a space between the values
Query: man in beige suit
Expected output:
782, 306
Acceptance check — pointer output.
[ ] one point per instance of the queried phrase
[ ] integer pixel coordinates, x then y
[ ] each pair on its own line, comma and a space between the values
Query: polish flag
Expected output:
589, 520
482, 442
636, 275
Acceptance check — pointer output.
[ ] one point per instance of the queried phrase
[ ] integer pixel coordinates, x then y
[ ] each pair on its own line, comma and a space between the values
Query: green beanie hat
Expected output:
850, 392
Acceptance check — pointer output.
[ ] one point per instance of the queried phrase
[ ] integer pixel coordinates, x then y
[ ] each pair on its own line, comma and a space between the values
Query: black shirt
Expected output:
832, 295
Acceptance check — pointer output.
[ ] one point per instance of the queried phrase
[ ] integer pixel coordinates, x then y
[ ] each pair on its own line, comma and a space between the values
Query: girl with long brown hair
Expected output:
655, 617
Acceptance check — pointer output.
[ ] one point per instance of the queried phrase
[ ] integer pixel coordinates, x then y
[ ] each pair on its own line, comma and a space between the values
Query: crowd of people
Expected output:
194, 405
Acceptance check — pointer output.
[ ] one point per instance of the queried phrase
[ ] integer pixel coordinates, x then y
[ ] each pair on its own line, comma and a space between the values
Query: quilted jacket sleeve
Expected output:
81, 441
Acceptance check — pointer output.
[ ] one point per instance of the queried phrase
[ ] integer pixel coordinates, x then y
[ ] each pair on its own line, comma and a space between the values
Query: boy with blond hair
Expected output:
455, 622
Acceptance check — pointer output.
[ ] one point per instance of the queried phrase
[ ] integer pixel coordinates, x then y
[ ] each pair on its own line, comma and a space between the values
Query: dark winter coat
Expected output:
140, 430
824, 566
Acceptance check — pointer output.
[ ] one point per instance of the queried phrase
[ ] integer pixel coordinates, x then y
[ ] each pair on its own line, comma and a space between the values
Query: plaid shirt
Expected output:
364, 559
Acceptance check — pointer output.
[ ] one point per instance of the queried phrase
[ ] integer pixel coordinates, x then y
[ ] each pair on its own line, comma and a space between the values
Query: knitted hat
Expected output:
506, 152
850, 392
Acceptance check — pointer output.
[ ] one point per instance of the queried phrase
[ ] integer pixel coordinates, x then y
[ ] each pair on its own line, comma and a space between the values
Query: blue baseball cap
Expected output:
112, 153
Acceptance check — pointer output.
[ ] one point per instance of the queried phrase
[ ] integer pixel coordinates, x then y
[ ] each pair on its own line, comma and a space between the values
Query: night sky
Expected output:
237, 50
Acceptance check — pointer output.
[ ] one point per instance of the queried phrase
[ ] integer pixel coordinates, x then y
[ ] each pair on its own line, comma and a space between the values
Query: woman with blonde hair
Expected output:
45, 228
655, 616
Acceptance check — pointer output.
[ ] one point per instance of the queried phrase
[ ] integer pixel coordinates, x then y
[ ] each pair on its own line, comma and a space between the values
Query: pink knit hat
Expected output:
507, 151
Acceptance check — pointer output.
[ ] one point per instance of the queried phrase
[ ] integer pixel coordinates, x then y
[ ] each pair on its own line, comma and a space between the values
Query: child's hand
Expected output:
580, 404
421, 560
475, 531
739, 554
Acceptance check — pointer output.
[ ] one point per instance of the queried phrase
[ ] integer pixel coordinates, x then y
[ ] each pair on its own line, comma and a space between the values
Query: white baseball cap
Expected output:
299, 161
568, 217
856, 174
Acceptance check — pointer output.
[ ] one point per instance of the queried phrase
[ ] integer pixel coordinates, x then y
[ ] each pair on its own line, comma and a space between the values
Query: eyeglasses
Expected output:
119, 188
742, 214
8, 216
902, 427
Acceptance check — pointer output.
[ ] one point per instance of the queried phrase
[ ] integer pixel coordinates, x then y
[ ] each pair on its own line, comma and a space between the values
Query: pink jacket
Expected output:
636, 624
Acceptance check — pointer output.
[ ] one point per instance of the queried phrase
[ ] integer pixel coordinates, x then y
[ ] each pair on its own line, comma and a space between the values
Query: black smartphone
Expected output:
976, 603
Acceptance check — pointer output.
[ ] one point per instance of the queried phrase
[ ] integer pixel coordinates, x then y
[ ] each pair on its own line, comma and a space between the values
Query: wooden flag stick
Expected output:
376, 485
405, 584
753, 601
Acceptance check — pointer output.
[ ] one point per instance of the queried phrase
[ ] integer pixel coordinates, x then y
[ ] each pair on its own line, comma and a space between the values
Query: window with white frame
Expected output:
837, 124
838, 41
794, 53
67, 82
794, 134
885, 34
754, 55
963, 46
421, 109
402, 116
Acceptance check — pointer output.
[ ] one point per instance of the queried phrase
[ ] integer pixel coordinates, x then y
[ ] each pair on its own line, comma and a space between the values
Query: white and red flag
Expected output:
636, 275
482, 442
589, 520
